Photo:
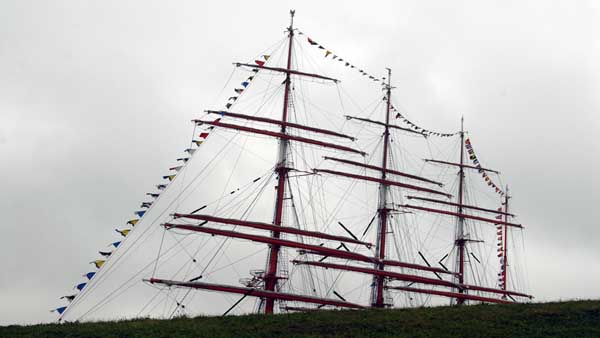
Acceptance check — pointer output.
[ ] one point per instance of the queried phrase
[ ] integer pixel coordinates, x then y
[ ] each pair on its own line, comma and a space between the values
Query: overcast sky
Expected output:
96, 98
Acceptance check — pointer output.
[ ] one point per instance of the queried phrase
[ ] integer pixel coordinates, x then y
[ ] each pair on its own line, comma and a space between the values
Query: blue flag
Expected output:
80, 286
115, 244
140, 213
89, 275
60, 310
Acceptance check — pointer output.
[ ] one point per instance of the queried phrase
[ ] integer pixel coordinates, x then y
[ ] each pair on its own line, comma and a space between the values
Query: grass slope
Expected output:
565, 319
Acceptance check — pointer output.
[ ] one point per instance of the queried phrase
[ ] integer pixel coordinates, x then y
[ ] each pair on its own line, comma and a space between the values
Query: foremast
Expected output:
281, 169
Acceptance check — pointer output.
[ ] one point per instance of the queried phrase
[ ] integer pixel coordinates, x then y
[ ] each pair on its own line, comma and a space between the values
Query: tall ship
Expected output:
301, 194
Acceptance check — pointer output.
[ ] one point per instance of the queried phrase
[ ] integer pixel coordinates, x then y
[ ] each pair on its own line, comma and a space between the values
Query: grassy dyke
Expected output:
560, 319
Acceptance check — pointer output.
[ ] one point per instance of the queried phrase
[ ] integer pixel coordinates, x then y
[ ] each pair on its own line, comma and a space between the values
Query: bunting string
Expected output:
500, 249
246, 83
147, 205
328, 54
418, 128
484, 175
130, 224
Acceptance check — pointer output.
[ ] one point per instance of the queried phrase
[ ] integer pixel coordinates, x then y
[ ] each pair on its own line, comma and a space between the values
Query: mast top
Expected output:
389, 79
291, 27
389, 70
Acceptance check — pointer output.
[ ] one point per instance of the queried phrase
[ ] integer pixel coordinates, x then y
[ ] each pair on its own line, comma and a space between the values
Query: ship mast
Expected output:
504, 260
377, 299
281, 169
460, 231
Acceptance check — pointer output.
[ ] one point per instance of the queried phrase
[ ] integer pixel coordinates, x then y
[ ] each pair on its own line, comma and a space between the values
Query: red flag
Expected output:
204, 135
260, 63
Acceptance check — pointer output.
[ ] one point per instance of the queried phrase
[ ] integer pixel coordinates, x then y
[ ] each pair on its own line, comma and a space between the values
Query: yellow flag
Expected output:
266, 57
133, 221
327, 53
98, 263
123, 232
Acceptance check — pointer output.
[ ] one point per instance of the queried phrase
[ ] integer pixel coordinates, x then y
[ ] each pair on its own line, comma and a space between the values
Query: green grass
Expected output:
564, 319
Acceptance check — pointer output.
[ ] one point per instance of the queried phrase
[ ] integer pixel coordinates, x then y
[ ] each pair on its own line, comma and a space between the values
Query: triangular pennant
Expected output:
123, 232
133, 221
89, 275
69, 297
98, 263
61, 309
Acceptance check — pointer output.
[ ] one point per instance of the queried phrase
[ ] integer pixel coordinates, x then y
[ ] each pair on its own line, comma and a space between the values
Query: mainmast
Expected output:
460, 231
281, 169
377, 299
